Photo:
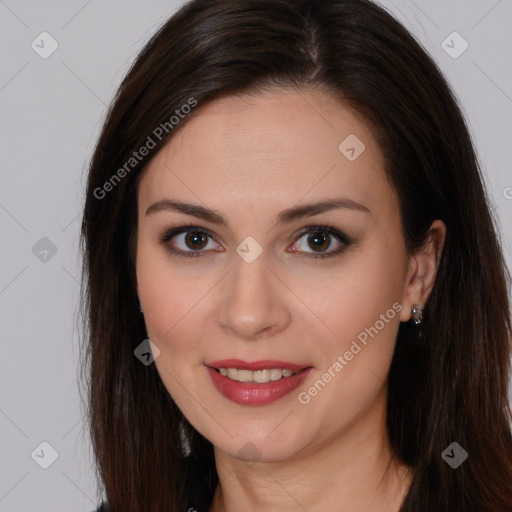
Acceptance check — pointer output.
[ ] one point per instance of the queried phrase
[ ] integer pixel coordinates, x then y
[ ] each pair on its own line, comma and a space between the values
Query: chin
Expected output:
254, 448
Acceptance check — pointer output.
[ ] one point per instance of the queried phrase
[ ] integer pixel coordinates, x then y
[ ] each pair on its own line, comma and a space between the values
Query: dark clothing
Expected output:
199, 487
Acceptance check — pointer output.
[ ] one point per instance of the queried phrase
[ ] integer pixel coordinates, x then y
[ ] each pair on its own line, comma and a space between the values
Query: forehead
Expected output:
264, 148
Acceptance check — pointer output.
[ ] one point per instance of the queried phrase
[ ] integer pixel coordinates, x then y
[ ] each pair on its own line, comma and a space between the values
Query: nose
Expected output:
254, 300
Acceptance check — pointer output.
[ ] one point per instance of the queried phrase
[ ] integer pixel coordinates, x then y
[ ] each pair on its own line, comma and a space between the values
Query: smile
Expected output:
259, 376
257, 383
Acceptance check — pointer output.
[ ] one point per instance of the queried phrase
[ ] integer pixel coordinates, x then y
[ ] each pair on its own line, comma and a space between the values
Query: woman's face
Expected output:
247, 285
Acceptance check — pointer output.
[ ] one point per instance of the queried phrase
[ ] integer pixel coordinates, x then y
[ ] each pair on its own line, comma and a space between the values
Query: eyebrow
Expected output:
286, 216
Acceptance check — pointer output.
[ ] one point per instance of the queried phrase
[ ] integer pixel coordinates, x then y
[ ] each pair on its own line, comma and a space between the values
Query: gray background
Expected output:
51, 112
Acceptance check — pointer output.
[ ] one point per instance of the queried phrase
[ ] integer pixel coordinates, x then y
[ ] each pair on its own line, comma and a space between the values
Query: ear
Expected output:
422, 270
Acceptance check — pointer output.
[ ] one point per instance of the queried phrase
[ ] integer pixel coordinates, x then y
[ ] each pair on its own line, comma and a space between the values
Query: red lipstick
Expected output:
253, 393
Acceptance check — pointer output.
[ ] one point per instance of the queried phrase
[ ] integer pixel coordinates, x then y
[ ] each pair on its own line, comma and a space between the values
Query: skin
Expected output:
250, 157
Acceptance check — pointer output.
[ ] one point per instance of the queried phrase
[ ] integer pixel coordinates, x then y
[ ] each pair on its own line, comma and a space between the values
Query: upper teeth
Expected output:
260, 376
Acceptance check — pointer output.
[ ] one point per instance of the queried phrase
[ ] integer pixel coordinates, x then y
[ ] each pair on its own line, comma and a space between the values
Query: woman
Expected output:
294, 290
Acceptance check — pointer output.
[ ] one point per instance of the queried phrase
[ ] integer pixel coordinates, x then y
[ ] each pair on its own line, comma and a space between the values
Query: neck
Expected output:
351, 471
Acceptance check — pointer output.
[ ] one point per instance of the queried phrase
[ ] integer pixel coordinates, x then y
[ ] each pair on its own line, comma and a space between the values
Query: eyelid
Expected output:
341, 237
167, 234
336, 233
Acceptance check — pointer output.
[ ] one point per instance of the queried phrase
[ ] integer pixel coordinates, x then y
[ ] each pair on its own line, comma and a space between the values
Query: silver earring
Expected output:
140, 306
417, 314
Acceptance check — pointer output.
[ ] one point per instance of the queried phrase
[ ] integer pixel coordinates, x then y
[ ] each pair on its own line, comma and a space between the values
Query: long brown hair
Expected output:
452, 387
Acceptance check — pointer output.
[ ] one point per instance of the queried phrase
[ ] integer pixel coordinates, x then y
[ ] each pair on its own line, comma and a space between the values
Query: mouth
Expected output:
257, 383
259, 372
259, 376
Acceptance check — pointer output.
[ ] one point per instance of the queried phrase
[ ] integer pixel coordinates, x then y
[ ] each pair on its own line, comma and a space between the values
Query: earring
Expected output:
417, 314
414, 331
140, 305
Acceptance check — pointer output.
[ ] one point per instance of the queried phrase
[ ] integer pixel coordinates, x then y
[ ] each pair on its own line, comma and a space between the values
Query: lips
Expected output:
252, 393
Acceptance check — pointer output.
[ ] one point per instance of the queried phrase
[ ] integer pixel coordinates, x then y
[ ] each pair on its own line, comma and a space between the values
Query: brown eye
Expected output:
192, 241
188, 241
320, 239
196, 240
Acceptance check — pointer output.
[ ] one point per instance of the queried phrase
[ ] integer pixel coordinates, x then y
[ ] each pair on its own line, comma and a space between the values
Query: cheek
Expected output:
174, 318
175, 315
172, 301
361, 306
364, 287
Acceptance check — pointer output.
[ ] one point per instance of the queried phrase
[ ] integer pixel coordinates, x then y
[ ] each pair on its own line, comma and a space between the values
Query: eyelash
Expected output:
341, 237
